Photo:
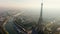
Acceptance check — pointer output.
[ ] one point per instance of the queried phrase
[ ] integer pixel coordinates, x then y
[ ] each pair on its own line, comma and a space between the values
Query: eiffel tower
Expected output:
40, 18
40, 21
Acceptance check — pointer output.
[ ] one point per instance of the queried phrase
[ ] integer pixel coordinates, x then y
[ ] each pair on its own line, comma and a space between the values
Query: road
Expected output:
10, 25
7, 24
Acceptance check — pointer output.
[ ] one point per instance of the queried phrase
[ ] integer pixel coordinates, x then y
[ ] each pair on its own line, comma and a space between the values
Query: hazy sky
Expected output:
29, 3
